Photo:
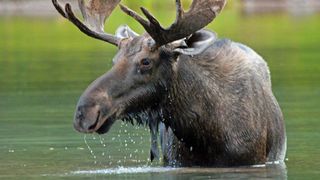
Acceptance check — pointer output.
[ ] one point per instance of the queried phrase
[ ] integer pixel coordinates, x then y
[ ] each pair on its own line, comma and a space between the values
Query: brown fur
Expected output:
215, 108
227, 114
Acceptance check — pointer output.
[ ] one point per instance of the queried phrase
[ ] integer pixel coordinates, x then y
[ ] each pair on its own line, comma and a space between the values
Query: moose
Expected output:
209, 99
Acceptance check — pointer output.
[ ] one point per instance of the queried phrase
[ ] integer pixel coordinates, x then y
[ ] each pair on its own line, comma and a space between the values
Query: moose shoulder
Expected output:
211, 98
222, 110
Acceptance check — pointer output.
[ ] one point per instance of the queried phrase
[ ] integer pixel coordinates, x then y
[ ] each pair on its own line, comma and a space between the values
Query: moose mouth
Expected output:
105, 127
105, 119
103, 124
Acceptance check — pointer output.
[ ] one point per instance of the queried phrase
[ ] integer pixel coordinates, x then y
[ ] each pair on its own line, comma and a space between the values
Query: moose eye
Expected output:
146, 62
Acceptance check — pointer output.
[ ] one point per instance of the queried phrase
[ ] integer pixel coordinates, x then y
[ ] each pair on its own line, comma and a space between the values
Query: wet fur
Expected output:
214, 109
219, 109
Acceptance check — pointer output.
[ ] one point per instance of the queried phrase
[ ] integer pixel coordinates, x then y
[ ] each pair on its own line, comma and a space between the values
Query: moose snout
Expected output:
86, 118
93, 106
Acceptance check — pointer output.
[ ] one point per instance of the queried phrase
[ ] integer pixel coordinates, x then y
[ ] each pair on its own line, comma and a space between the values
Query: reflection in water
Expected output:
270, 171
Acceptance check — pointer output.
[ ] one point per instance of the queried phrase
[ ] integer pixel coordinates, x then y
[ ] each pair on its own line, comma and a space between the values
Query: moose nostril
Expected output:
79, 115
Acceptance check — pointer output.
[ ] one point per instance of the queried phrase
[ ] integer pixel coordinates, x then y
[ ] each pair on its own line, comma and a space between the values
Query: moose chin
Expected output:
210, 99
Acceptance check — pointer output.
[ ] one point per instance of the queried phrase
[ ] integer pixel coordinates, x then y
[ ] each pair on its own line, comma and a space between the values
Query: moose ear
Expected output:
124, 31
197, 43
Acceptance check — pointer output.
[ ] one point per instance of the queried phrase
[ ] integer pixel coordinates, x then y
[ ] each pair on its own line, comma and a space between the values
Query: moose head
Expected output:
144, 66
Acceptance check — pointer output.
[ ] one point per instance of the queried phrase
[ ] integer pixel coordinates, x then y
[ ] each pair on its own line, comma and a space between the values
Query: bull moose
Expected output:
210, 98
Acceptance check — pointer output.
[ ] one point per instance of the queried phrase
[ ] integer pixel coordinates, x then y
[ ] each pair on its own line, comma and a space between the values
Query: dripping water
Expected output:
103, 145
125, 147
90, 149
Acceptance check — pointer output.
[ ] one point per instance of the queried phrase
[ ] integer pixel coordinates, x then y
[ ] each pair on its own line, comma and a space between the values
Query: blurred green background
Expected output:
46, 63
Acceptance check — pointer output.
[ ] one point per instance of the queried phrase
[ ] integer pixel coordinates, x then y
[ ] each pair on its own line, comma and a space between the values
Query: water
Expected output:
45, 64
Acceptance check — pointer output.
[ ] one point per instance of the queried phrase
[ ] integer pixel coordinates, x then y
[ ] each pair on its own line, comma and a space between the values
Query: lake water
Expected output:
45, 64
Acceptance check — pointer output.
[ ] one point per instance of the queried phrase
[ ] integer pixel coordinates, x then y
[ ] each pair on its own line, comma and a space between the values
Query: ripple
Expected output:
126, 170
147, 169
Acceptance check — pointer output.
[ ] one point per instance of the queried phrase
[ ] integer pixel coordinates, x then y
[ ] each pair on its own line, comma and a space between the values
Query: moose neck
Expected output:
183, 108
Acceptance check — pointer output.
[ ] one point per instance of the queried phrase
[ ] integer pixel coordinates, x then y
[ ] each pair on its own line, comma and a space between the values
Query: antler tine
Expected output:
153, 21
59, 8
201, 13
134, 15
150, 25
179, 9
93, 27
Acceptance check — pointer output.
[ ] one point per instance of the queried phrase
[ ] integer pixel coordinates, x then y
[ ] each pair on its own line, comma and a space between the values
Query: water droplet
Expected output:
89, 148
102, 141
93, 137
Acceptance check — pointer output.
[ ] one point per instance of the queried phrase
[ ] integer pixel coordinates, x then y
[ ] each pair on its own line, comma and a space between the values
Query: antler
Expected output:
95, 13
201, 13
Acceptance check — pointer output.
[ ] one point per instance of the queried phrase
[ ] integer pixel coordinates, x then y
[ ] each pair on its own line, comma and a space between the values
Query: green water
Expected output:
45, 64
